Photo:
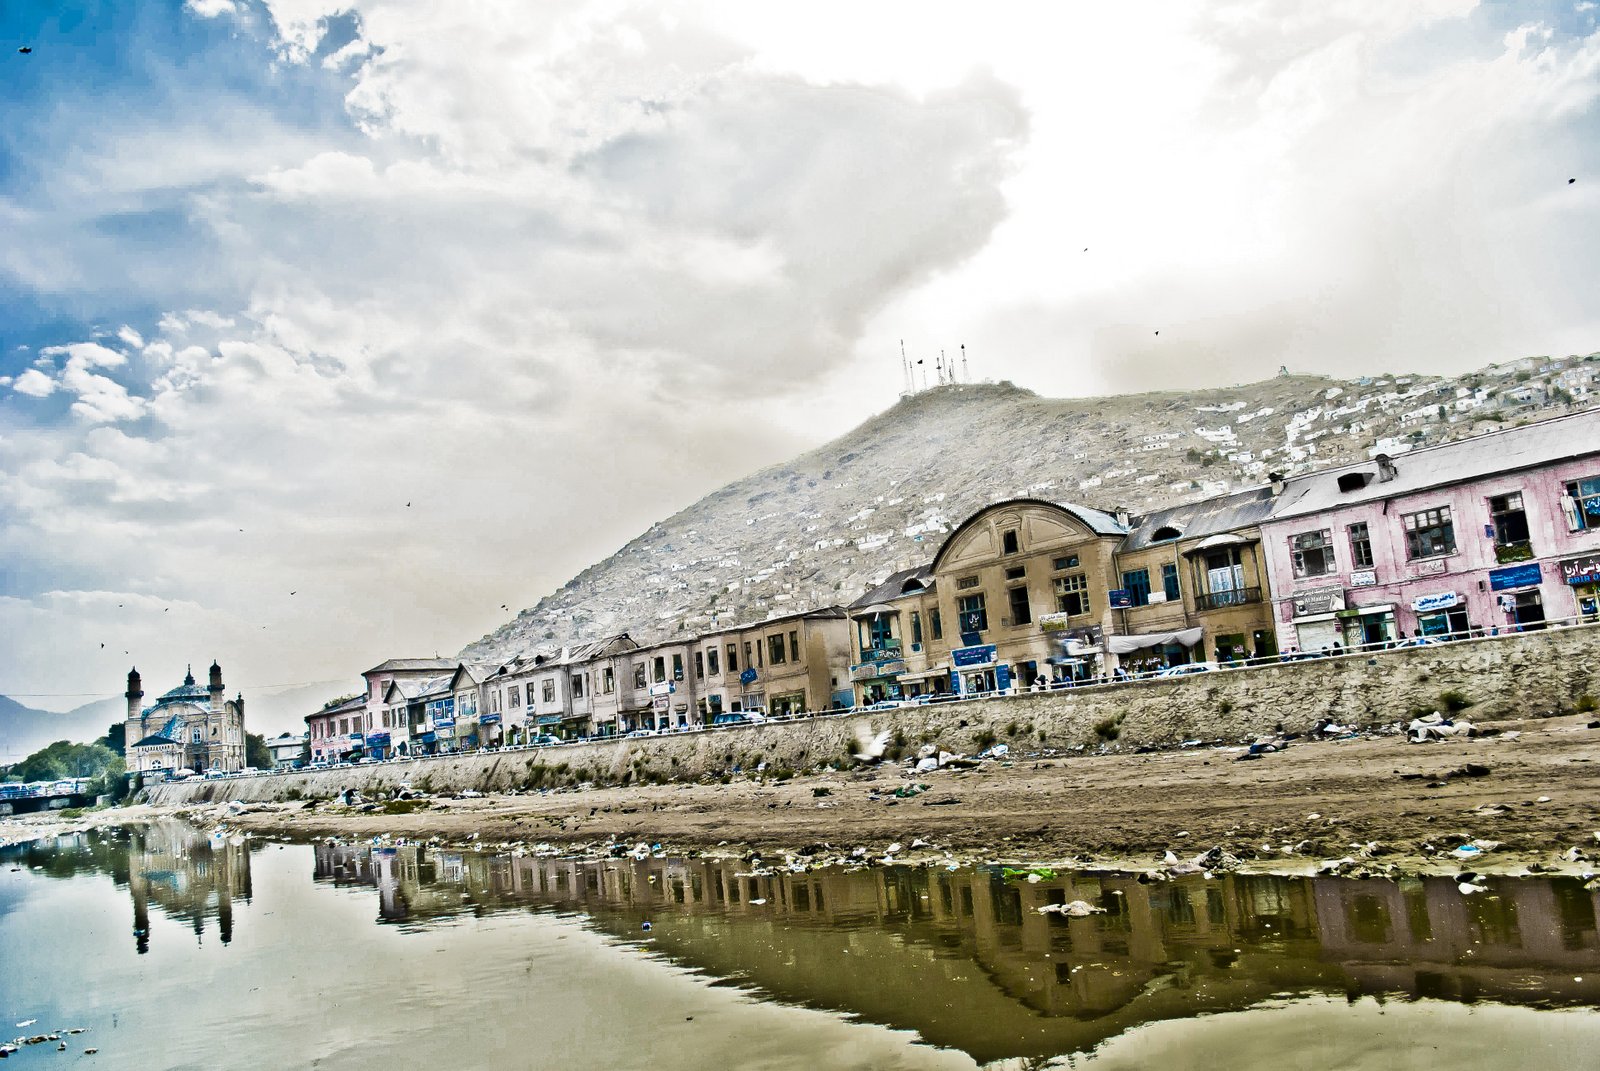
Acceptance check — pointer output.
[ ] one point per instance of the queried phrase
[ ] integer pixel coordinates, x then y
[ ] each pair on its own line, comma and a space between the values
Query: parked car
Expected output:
546, 740
1420, 641
739, 717
640, 732
1189, 669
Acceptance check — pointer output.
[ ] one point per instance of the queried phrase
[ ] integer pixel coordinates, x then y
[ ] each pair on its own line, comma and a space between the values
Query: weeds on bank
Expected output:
1108, 729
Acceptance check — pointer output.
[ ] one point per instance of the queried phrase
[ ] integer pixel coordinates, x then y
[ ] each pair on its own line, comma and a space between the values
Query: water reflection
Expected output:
185, 874
966, 960
963, 959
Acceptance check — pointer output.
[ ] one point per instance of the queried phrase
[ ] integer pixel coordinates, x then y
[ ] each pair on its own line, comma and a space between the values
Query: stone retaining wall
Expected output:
1529, 675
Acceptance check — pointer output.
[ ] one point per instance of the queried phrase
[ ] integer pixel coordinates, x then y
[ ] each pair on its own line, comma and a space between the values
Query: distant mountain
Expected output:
24, 730
829, 524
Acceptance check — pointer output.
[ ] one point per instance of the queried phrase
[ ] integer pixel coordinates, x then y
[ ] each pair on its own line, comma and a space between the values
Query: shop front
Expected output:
1316, 619
1582, 576
1517, 592
1441, 614
976, 670
490, 731
1080, 651
1368, 627
1150, 652
378, 745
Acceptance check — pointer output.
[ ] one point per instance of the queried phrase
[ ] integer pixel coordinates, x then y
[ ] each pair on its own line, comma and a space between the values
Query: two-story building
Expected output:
1477, 536
1192, 583
1022, 582
338, 730
792, 664
898, 631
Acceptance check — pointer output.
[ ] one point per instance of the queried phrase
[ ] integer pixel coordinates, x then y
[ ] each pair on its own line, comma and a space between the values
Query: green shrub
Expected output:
1011, 729
1587, 703
1453, 699
1109, 729
1225, 706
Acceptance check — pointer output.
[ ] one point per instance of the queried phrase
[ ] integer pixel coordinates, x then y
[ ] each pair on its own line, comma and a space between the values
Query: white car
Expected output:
1189, 669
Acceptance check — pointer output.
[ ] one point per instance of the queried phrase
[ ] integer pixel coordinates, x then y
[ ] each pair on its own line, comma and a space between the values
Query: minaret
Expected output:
133, 728
216, 687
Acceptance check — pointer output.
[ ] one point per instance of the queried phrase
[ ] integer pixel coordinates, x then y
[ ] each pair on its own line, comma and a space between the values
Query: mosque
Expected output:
189, 727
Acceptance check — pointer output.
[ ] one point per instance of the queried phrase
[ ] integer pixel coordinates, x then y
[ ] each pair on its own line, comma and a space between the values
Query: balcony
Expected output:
882, 651
1217, 600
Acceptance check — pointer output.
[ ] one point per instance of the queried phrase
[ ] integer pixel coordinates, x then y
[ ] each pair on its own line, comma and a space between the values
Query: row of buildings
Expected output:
1479, 536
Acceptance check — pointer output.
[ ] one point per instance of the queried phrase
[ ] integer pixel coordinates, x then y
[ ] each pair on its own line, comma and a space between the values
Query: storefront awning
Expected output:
1186, 637
877, 609
926, 674
1216, 542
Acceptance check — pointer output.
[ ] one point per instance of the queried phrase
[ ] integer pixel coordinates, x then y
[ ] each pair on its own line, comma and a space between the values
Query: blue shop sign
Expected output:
429, 738
1515, 576
549, 719
488, 719
1120, 599
980, 655
377, 739
747, 677
443, 723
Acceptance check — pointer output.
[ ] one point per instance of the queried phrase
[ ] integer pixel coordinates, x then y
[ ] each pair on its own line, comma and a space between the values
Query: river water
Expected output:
173, 949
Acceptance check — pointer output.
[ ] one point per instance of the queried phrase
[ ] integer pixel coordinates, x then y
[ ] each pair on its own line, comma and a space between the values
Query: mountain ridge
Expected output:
825, 526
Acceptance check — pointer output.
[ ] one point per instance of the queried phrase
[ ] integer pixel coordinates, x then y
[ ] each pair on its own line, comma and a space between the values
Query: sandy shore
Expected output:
1379, 800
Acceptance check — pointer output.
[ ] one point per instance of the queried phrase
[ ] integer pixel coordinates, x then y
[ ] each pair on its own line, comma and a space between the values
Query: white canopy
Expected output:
1188, 637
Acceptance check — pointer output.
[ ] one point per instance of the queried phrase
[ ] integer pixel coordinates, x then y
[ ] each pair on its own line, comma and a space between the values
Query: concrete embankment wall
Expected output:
1510, 676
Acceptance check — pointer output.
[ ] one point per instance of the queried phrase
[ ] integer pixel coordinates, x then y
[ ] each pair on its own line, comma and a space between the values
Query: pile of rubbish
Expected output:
1436, 726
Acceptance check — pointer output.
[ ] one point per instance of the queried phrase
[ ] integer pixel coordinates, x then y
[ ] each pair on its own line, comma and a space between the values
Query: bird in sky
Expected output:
102, 647
408, 505
1158, 332
291, 593
503, 606
25, 50
1570, 181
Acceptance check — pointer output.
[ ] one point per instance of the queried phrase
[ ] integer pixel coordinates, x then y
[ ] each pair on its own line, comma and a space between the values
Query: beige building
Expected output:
900, 650
785, 665
190, 727
1019, 579
1196, 583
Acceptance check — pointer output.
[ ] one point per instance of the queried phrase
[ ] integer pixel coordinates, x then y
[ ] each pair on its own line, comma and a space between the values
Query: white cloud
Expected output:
210, 9
130, 337
34, 383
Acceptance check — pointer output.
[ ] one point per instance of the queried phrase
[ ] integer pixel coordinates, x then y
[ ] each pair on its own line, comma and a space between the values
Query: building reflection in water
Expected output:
965, 958
183, 873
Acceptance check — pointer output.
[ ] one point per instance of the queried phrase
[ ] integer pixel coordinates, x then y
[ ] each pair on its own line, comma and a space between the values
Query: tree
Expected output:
116, 738
64, 759
256, 752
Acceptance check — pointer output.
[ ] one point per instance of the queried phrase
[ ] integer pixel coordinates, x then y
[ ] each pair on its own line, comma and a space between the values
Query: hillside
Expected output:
24, 730
824, 527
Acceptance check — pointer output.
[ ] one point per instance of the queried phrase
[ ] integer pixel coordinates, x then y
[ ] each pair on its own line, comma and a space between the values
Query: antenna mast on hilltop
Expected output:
965, 374
905, 369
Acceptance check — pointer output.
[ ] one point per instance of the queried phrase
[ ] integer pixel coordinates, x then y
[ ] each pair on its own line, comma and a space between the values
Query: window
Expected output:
638, 676
1072, 594
971, 613
1360, 546
1581, 504
1169, 582
608, 680
936, 622
711, 662
550, 691
494, 702
660, 667
1313, 553
1069, 562
733, 658
577, 686
513, 696
699, 665
1137, 584
1018, 572
916, 627
1008, 541
747, 662
1021, 613
775, 654
794, 645
1510, 522
1430, 533
677, 667
967, 582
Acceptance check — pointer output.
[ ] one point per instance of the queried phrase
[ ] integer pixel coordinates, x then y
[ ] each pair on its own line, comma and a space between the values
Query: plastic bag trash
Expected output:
1467, 888
1076, 909
895, 847
1467, 851
927, 765
758, 902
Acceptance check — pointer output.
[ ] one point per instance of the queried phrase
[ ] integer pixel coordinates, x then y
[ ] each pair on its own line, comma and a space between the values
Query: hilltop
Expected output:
822, 528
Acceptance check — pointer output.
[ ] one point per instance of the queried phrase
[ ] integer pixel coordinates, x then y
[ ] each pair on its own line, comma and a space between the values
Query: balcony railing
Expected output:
1216, 600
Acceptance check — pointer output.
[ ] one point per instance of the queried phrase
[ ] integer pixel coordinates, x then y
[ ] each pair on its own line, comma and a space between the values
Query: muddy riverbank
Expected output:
1532, 793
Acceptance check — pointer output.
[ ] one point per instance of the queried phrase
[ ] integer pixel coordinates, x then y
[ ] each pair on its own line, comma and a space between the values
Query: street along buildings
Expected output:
1477, 536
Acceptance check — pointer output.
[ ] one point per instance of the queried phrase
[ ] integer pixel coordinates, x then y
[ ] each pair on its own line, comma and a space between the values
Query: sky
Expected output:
330, 327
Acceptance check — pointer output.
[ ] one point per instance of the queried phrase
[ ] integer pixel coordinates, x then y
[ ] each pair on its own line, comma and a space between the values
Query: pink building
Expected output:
1497, 532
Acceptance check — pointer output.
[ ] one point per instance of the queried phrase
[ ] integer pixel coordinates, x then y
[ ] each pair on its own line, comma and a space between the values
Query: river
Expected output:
174, 949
